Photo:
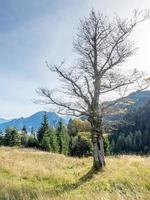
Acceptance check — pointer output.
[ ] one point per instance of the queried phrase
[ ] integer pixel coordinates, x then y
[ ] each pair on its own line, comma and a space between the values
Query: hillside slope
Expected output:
29, 174
131, 103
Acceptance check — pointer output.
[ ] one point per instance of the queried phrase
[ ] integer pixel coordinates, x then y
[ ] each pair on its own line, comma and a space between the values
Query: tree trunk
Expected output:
98, 151
97, 140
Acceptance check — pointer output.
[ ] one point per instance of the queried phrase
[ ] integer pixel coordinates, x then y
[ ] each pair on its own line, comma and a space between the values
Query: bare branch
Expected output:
102, 46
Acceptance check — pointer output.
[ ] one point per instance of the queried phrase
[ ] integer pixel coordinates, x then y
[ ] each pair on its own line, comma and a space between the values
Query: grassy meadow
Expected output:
29, 174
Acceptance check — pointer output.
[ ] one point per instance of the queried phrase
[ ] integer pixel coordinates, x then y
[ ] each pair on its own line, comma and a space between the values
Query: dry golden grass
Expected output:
28, 174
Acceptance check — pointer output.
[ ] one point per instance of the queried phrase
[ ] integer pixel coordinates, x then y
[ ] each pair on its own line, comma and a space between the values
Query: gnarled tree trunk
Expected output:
98, 150
97, 140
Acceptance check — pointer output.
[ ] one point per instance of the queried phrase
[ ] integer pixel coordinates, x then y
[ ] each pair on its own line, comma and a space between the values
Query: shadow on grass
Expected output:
69, 187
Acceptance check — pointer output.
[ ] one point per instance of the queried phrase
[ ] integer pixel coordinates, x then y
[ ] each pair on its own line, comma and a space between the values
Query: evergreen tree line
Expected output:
74, 140
46, 138
133, 135
133, 142
11, 137
54, 140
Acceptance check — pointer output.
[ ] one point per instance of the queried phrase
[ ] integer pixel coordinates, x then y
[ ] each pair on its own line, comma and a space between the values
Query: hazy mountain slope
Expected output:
131, 103
3, 120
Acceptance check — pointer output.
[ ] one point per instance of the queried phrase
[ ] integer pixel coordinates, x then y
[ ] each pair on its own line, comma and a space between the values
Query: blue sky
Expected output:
32, 31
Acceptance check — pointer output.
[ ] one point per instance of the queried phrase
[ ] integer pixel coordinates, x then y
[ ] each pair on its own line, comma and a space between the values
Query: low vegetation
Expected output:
29, 174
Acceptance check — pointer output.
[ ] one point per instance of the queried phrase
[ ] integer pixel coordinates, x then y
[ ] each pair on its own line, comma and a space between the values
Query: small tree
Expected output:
44, 129
81, 146
32, 131
24, 130
62, 139
11, 137
45, 143
32, 141
77, 125
24, 139
53, 140
103, 46
107, 148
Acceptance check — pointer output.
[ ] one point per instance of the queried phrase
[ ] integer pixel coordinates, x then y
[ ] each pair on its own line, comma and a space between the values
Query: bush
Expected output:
24, 140
32, 141
80, 147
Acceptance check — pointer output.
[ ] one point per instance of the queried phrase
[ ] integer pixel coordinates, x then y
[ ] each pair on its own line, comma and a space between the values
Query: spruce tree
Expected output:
24, 130
62, 139
24, 137
45, 143
53, 140
65, 142
47, 137
44, 129
32, 131
69, 127
11, 137
107, 149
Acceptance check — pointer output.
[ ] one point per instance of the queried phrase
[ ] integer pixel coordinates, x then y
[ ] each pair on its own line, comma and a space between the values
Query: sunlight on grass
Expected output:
28, 174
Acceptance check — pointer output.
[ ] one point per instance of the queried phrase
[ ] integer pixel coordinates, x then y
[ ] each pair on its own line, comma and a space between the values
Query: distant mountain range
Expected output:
118, 109
33, 121
3, 120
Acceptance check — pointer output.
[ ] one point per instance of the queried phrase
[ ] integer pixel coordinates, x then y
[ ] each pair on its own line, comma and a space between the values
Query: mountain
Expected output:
132, 135
132, 102
116, 112
3, 120
33, 121
139, 120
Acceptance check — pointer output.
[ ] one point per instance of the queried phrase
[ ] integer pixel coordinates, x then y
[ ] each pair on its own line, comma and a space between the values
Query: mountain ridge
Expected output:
132, 102
33, 121
2, 120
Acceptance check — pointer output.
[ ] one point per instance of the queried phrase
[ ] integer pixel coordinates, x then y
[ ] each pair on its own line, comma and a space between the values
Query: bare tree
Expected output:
103, 46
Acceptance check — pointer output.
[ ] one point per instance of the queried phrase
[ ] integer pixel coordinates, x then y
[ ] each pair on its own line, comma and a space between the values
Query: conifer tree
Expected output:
53, 140
24, 137
24, 130
106, 145
32, 131
44, 129
1, 139
11, 137
69, 127
62, 139
45, 143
